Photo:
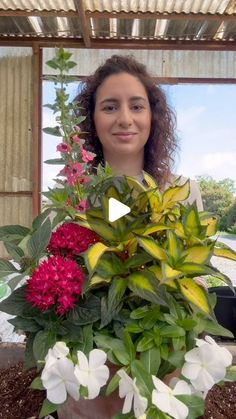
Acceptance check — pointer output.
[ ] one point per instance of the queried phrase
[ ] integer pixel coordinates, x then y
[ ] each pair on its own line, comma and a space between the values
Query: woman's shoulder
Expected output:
195, 194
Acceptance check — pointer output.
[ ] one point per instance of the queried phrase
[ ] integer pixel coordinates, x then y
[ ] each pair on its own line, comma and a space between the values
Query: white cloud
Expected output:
219, 159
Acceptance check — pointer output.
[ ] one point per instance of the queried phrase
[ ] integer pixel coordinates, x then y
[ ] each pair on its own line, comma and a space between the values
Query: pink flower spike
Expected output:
77, 169
86, 155
76, 139
82, 205
63, 148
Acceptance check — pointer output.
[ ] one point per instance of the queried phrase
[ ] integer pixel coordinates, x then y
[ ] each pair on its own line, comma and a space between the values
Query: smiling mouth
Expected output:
124, 135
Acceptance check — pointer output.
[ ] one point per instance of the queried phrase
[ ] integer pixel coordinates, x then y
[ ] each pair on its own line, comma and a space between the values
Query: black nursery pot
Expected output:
225, 309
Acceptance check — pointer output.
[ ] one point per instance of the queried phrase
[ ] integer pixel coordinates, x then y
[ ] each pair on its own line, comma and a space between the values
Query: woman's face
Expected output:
122, 115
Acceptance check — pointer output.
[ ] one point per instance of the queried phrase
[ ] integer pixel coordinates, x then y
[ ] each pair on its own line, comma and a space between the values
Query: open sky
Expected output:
206, 116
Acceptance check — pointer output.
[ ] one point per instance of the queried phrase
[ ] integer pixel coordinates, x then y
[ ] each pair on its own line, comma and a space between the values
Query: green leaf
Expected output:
113, 383
230, 374
151, 360
54, 161
39, 240
48, 408
116, 345
43, 341
14, 251
28, 325
172, 331
53, 131
86, 311
17, 232
4, 290
37, 384
110, 265
15, 303
6, 268
29, 360
140, 312
215, 328
145, 343
194, 403
116, 292
14, 281
87, 339
129, 345
144, 379
38, 221
176, 358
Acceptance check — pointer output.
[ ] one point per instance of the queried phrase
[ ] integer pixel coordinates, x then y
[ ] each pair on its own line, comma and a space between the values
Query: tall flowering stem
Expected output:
74, 157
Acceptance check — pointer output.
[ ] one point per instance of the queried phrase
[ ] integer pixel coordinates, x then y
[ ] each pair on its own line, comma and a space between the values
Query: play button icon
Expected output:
116, 209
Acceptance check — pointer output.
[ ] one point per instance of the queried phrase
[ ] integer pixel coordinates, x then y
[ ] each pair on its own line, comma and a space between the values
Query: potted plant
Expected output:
110, 310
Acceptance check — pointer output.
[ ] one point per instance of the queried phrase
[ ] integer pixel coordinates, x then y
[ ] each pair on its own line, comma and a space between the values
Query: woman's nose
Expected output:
125, 118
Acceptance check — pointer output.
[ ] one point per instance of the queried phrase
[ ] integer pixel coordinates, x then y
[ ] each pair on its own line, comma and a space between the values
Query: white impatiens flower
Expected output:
92, 373
129, 390
58, 375
163, 397
206, 364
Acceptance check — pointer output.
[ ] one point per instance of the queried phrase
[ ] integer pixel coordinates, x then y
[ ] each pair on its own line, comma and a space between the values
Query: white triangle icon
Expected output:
116, 209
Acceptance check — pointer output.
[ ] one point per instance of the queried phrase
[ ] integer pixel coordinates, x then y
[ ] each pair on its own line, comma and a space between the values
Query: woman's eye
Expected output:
137, 108
109, 108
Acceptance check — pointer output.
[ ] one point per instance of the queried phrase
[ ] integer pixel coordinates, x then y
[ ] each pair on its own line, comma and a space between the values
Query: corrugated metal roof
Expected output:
169, 20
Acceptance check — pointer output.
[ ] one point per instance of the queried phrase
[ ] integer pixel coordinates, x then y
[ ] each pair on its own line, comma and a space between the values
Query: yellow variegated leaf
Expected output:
194, 293
179, 230
156, 270
173, 245
131, 246
176, 193
225, 253
211, 224
192, 224
198, 254
95, 252
150, 180
102, 229
151, 228
97, 279
151, 247
169, 273
135, 184
155, 200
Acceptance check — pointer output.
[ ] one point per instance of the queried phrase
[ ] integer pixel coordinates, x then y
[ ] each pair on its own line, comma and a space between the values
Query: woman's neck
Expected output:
124, 165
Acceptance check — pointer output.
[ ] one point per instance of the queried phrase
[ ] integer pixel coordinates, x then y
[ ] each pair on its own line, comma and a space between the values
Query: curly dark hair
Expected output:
162, 142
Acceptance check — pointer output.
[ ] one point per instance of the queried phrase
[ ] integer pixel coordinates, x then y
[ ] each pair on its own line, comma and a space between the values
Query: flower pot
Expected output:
99, 408
225, 309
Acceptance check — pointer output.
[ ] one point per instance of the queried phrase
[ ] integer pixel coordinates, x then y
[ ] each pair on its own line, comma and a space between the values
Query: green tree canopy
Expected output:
217, 196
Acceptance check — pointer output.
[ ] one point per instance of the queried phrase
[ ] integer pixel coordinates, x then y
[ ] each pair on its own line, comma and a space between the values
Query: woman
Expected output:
129, 122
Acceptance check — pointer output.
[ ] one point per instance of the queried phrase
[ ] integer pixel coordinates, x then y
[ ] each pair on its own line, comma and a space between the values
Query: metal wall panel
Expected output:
15, 135
168, 63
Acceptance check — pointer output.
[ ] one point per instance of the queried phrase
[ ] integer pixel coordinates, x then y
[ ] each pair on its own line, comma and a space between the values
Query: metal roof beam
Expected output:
152, 44
117, 15
83, 22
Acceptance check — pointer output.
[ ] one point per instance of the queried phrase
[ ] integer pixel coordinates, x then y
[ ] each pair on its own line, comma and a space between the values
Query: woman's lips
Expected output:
124, 135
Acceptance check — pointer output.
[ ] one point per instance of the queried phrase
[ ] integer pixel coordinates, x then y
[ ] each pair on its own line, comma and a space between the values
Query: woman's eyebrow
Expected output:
111, 99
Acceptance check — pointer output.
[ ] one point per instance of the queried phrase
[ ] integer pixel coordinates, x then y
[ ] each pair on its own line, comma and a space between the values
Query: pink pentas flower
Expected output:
71, 239
83, 180
86, 155
63, 148
56, 282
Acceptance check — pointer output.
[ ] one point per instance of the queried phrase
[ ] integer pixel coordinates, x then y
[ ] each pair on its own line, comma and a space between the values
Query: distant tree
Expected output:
217, 196
231, 217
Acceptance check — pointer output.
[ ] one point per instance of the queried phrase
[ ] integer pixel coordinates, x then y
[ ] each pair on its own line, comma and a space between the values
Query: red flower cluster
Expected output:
71, 239
56, 281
